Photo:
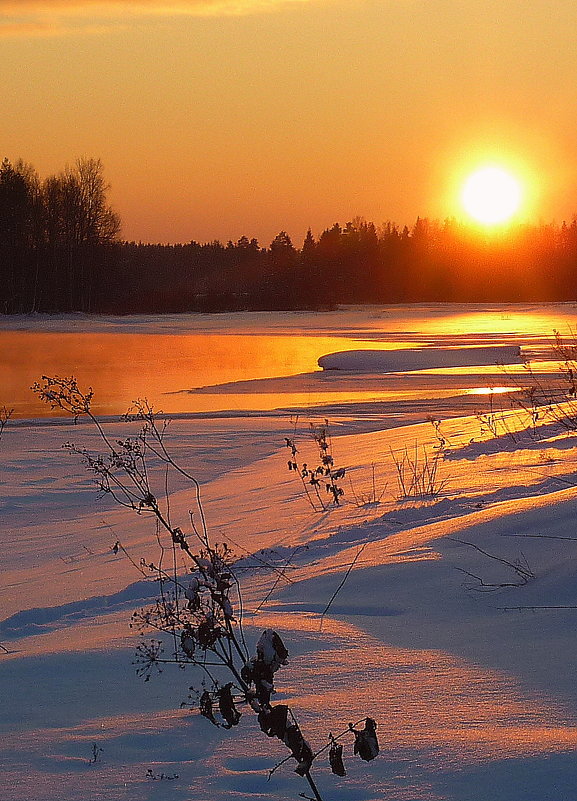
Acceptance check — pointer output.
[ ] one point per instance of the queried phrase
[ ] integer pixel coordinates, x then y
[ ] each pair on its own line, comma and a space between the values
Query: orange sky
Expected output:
217, 118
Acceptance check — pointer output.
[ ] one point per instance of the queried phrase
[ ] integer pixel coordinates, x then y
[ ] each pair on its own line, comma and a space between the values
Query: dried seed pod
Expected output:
336, 759
187, 641
299, 748
366, 743
226, 706
208, 633
273, 721
206, 707
271, 650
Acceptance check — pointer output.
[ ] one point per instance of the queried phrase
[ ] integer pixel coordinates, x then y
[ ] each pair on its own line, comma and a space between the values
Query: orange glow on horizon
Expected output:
203, 138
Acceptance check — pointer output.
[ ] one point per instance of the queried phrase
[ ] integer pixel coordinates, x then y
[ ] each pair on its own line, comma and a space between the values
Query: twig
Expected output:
541, 536
321, 750
524, 573
338, 589
532, 608
516, 567
278, 578
263, 562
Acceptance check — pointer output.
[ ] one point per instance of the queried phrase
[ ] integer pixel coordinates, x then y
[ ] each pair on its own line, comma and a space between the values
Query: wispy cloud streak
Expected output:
60, 17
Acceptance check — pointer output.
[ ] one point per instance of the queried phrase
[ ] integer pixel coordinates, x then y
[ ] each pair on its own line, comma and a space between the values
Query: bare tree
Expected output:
79, 225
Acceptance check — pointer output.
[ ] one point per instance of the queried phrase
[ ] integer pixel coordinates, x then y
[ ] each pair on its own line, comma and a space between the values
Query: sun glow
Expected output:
491, 195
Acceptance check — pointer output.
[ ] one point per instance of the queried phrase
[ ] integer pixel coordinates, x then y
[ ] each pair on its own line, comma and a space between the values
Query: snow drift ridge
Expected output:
394, 361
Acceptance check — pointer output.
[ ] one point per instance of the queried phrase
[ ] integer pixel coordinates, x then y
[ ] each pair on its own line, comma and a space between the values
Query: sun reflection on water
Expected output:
167, 368
491, 390
502, 321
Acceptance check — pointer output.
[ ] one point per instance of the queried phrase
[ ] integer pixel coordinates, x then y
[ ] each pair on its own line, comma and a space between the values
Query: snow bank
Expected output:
394, 361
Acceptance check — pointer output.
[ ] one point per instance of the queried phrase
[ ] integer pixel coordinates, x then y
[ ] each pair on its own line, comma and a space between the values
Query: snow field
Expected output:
475, 699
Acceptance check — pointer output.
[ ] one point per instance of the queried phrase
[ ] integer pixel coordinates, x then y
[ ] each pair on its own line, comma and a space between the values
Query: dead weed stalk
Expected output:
197, 618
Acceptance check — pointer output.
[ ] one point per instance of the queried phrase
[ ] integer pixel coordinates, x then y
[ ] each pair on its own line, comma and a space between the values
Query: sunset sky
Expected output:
218, 118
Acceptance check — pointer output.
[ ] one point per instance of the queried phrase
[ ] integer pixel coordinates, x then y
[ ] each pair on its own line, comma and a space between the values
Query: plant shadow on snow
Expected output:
41, 620
45, 689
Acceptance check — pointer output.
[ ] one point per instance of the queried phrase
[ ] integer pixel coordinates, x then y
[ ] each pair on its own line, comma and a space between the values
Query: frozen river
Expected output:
260, 361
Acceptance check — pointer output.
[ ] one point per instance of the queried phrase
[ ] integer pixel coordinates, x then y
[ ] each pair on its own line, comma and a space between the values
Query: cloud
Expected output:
58, 17
97, 7
9, 28
43, 28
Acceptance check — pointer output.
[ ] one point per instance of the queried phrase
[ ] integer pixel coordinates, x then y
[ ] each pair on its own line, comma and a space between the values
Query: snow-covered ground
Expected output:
472, 686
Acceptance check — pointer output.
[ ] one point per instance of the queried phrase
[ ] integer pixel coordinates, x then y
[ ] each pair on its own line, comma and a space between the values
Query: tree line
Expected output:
56, 238
61, 251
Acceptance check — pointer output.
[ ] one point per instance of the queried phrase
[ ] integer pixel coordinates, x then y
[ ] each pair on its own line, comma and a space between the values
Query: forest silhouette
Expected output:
61, 251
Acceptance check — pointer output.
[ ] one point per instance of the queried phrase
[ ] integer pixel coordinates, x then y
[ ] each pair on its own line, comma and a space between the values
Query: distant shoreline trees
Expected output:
61, 251
55, 237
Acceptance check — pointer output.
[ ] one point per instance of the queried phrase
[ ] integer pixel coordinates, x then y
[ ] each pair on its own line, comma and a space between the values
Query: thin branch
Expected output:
278, 578
524, 573
541, 536
489, 587
320, 751
338, 589
263, 562
532, 608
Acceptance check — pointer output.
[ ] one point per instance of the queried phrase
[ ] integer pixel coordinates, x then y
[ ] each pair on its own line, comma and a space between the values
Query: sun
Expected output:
491, 195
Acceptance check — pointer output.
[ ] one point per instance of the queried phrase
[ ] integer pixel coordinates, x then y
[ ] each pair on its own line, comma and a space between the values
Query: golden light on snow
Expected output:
491, 195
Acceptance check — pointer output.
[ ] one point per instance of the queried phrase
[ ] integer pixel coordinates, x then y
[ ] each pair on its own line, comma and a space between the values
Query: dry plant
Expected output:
553, 400
197, 618
96, 755
371, 496
5, 415
495, 420
323, 479
322, 476
161, 777
440, 436
418, 476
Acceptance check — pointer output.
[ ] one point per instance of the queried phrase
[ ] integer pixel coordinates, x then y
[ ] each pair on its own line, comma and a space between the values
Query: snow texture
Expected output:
467, 669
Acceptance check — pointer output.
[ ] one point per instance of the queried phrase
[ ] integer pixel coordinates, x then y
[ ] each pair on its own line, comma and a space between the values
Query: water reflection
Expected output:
491, 390
507, 319
123, 367
183, 353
